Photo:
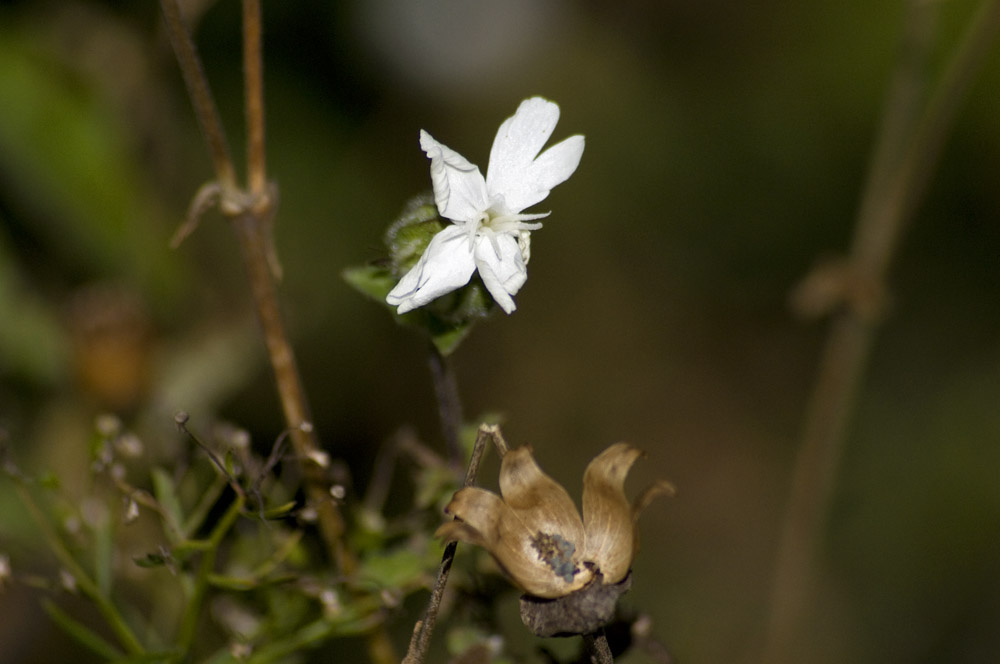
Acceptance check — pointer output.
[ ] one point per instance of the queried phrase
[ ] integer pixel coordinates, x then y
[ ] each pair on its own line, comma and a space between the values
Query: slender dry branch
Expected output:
598, 648
290, 391
420, 641
254, 84
251, 214
199, 91
903, 162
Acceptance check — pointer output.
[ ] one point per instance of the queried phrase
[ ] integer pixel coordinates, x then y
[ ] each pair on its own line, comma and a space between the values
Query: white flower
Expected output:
489, 230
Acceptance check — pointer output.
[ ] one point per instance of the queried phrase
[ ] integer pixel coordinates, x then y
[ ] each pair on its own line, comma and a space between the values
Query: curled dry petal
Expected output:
534, 532
609, 518
607, 513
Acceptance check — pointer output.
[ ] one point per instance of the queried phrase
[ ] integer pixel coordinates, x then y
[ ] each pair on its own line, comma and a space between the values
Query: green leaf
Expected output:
279, 511
446, 321
151, 560
201, 510
404, 568
166, 495
373, 281
435, 486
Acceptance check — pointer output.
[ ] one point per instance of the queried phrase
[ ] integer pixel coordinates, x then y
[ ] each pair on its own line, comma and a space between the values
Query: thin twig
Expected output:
449, 404
181, 419
907, 154
201, 95
597, 646
254, 84
422, 631
403, 442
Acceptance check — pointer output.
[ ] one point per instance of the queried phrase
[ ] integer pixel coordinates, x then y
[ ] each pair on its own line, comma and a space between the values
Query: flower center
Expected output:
495, 220
557, 553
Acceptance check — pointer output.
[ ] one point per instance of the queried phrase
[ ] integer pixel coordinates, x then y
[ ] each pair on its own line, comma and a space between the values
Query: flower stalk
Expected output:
449, 404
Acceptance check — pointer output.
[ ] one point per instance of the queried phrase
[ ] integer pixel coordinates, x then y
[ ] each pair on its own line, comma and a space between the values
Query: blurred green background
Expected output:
727, 144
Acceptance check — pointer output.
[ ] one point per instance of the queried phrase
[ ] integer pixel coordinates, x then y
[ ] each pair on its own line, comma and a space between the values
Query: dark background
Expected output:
727, 145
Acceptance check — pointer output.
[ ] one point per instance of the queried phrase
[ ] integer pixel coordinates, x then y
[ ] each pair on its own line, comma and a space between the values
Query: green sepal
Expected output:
449, 318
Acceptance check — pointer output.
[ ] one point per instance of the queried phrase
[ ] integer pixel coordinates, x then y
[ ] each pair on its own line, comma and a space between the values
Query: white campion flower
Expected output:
490, 232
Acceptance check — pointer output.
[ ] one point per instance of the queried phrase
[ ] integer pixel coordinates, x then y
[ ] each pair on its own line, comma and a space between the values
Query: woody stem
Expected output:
422, 631
597, 646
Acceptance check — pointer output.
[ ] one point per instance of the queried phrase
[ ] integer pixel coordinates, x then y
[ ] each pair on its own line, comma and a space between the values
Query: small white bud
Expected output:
320, 458
108, 425
67, 581
129, 445
5, 570
331, 603
240, 651
131, 511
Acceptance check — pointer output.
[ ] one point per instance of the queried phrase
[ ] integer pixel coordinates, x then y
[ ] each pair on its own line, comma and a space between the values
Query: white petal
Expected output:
514, 172
554, 166
503, 275
459, 187
445, 265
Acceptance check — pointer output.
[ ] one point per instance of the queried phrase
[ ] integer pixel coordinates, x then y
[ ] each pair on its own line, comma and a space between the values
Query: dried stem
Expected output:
251, 214
597, 646
449, 404
420, 641
254, 84
290, 391
902, 166
201, 95
403, 442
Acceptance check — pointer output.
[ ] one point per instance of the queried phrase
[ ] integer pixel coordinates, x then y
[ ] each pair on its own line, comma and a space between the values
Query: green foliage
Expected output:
218, 548
92, 200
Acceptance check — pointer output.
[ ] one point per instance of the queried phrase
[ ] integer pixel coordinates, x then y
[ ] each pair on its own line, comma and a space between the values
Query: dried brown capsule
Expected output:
535, 532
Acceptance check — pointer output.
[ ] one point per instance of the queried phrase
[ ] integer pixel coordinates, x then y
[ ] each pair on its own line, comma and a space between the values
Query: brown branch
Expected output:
907, 153
254, 84
291, 394
251, 214
597, 646
421, 638
201, 95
